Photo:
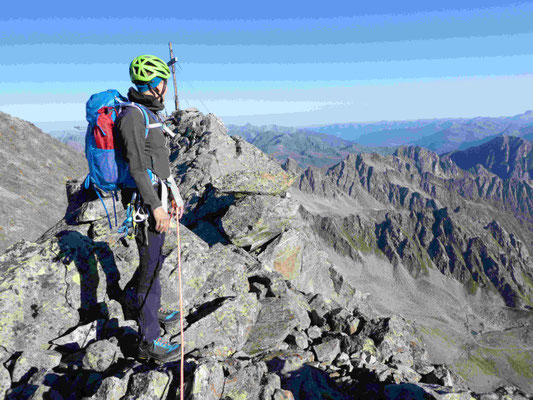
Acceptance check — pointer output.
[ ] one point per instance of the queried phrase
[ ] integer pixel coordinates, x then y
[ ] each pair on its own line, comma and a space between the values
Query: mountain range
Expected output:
407, 275
439, 135
329, 144
305, 147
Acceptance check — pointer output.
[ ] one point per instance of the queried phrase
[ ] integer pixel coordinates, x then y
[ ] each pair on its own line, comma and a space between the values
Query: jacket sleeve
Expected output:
131, 130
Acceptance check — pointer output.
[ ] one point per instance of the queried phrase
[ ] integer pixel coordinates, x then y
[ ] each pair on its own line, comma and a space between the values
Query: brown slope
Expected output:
33, 168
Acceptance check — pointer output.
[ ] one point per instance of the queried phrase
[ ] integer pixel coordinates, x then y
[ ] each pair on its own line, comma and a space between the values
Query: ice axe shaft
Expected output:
171, 64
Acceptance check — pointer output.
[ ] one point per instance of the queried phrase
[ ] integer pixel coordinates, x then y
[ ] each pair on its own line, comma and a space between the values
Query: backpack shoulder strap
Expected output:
159, 124
143, 111
149, 126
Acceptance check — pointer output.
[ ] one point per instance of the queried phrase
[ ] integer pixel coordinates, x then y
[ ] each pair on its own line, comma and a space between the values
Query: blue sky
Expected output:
290, 63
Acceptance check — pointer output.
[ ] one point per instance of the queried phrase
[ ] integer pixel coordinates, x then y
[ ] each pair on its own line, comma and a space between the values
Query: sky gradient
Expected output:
285, 63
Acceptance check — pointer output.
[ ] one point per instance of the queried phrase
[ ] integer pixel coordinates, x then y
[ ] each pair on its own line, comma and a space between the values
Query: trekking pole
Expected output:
171, 63
181, 307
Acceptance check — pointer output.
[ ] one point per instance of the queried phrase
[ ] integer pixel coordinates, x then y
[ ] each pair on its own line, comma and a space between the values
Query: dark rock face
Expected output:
34, 170
505, 156
268, 314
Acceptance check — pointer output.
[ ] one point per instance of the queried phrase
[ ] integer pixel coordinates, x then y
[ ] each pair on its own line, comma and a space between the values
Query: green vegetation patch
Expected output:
475, 365
360, 242
472, 286
521, 362
527, 297
483, 360
527, 280
436, 332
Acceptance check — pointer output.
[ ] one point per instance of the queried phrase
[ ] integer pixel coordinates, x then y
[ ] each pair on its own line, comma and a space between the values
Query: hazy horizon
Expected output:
48, 126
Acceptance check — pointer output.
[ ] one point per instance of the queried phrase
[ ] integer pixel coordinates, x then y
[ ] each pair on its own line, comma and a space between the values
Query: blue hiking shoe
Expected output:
159, 350
168, 317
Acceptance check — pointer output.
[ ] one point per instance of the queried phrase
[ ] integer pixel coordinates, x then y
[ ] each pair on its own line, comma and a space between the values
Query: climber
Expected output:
148, 158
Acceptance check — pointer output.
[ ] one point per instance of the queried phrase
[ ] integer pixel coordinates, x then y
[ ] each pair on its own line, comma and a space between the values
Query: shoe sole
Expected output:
157, 360
169, 323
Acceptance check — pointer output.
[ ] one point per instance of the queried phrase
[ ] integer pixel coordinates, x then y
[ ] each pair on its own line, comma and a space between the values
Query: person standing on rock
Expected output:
144, 152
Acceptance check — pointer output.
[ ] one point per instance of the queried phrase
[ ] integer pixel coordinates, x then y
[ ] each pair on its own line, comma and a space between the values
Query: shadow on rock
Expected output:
311, 383
87, 254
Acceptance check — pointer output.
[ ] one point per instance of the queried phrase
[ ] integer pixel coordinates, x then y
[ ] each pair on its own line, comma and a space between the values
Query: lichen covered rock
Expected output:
274, 322
100, 355
208, 382
150, 385
226, 329
244, 383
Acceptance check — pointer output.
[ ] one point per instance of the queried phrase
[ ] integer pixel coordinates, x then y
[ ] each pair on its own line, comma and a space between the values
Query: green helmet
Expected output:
145, 68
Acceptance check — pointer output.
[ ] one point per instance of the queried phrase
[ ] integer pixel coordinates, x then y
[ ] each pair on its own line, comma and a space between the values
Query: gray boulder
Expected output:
149, 385
299, 258
43, 361
226, 329
99, 356
208, 273
254, 220
80, 336
244, 383
111, 388
327, 352
397, 342
229, 164
274, 322
208, 382
35, 310
285, 255
314, 332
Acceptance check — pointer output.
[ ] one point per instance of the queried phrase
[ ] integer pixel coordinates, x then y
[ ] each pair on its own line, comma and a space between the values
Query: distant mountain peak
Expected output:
506, 156
528, 115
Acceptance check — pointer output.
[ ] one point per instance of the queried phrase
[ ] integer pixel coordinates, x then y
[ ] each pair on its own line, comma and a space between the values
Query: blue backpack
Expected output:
108, 171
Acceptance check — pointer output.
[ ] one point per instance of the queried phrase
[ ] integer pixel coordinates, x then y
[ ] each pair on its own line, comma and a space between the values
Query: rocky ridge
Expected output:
34, 168
269, 315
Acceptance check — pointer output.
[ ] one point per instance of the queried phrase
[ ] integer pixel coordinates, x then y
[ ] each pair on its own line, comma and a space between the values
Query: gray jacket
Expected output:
142, 152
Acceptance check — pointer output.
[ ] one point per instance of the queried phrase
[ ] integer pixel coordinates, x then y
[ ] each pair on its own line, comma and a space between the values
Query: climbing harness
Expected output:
137, 213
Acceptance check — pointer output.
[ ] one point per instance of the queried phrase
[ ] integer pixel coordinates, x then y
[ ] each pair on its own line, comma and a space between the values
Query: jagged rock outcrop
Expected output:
34, 168
268, 312
431, 217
